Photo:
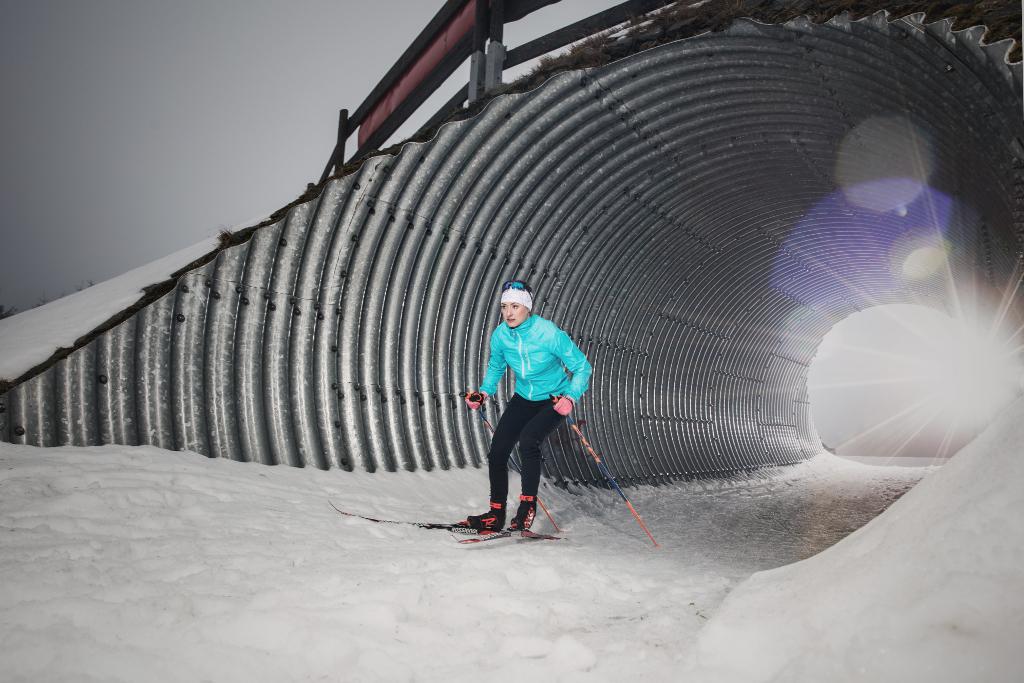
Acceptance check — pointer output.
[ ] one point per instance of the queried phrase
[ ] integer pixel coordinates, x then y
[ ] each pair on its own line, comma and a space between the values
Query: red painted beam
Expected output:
445, 40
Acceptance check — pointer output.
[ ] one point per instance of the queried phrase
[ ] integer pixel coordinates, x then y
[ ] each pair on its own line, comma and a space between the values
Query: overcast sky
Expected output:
134, 128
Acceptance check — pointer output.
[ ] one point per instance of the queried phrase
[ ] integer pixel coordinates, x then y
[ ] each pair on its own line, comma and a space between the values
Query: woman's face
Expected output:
514, 314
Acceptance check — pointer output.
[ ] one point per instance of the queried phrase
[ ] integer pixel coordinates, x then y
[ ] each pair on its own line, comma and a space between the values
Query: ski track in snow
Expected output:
132, 564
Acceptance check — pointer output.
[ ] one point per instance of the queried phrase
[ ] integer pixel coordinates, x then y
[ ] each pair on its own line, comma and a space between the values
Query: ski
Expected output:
485, 536
453, 527
523, 536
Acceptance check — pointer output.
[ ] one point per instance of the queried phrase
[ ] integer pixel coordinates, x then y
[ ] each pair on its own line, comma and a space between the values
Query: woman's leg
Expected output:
517, 413
533, 433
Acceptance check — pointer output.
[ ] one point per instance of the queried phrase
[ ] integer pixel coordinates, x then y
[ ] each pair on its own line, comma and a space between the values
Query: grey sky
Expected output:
132, 129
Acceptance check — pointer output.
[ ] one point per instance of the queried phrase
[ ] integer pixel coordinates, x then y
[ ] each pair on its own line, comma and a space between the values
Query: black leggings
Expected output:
528, 422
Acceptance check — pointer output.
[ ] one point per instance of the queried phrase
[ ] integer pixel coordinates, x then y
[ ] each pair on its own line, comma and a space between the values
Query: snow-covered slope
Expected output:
32, 336
933, 590
131, 564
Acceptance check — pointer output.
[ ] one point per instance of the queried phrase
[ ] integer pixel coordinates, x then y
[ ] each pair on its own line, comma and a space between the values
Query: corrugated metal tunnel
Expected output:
696, 216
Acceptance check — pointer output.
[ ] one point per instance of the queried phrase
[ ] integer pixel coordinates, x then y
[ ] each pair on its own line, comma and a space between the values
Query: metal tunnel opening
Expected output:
911, 384
697, 216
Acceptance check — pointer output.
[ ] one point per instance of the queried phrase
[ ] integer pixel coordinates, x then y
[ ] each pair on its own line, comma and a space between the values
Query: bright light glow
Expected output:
904, 380
900, 380
972, 376
924, 262
884, 195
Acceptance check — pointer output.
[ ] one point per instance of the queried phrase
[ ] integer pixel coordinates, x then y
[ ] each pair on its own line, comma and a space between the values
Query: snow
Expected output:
132, 563
932, 590
125, 564
30, 337
902, 461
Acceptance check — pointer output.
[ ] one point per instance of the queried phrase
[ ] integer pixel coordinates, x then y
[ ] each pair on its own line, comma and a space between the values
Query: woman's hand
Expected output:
475, 399
564, 405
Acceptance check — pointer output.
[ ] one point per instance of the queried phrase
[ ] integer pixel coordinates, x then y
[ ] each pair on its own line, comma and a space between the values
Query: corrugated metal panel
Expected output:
669, 210
153, 368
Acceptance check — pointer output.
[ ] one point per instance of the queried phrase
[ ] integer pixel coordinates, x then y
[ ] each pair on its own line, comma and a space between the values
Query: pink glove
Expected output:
475, 399
564, 405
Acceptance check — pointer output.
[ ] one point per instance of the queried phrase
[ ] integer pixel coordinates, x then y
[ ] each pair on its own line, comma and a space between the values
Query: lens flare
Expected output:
838, 251
924, 262
884, 163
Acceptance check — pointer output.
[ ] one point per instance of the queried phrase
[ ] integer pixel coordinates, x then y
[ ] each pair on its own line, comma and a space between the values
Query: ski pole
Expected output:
539, 502
608, 475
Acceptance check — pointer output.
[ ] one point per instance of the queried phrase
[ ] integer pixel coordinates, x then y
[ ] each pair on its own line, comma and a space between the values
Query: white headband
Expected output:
517, 296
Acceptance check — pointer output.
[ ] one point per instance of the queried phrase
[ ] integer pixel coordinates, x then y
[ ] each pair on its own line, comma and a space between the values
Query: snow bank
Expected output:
30, 337
933, 590
137, 564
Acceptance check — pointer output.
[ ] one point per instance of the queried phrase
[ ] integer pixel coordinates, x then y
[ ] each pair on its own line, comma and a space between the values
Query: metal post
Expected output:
337, 159
496, 48
477, 59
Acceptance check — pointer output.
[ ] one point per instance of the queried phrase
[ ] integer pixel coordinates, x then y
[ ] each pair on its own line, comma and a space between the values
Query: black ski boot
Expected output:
524, 516
493, 520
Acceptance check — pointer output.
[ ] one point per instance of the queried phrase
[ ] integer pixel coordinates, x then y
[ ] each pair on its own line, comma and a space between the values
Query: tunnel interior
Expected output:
697, 216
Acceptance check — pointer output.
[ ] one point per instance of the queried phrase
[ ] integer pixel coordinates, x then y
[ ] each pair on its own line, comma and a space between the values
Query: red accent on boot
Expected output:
525, 514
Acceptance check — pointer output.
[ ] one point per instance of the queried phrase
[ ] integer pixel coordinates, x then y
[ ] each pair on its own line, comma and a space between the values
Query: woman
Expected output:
539, 354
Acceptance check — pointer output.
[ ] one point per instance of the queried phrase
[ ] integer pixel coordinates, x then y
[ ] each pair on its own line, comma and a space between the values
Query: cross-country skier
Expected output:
539, 354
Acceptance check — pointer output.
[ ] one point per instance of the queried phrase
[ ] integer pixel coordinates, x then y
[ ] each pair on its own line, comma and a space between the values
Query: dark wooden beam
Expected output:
337, 159
449, 107
481, 24
498, 21
581, 29
517, 9
408, 58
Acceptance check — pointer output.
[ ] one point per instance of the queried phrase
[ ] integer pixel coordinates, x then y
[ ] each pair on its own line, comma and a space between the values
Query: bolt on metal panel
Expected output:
282, 307
188, 356
330, 391
311, 316
317, 399
248, 349
33, 411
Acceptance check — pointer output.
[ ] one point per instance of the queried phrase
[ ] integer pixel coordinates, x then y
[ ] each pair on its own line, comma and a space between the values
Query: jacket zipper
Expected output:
522, 364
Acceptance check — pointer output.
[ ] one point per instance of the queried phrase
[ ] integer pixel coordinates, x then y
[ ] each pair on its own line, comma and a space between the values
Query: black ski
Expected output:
521, 535
453, 527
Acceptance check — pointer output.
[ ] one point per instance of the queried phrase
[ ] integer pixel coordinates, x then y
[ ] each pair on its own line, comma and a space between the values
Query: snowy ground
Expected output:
140, 564
932, 590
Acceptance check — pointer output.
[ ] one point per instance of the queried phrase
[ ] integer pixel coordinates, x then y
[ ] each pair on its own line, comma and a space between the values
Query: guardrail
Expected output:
461, 29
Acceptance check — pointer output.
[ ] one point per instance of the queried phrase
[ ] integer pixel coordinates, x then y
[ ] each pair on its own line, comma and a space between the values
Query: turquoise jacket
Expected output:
539, 353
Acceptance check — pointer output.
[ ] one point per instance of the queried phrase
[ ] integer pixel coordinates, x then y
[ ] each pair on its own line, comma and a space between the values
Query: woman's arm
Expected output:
577, 363
495, 369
